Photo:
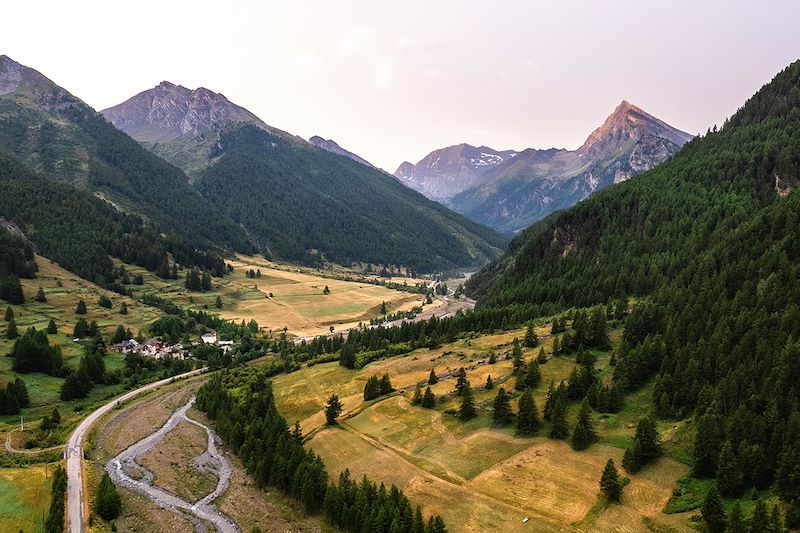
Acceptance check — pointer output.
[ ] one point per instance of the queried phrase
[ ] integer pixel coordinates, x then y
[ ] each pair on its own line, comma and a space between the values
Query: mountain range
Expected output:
508, 190
298, 200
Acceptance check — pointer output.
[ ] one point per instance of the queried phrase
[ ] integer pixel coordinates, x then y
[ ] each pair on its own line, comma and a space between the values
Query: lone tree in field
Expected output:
528, 417
432, 379
52, 329
467, 409
81, 309
531, 340
108, 503
461, 382
501, 414
11, 330
428, 399
610, 484
558, 419
40, 297
218, 302
123, 309
326, 290
646, 446
9, 313
584, 434
489, 383
332, 409
712, 511
542, 357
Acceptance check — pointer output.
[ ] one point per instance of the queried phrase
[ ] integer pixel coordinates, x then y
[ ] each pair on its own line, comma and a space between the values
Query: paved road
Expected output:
213, 460
73, 453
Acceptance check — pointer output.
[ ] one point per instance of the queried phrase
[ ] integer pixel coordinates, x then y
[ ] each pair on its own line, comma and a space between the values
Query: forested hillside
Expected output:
712, 240
53, 132
82, 232
299, 200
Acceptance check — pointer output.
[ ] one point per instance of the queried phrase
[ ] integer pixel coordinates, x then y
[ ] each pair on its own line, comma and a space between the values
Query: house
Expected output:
209, 338
127, 346
226, 346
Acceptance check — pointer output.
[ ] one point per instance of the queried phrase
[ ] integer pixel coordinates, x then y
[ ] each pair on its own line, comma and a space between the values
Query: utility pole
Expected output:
21, 423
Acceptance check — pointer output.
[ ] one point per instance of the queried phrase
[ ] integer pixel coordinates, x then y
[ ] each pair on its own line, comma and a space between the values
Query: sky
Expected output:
391, 81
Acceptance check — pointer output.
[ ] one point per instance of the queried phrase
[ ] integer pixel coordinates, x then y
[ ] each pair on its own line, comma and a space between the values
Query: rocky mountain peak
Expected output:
629, 124
168, 112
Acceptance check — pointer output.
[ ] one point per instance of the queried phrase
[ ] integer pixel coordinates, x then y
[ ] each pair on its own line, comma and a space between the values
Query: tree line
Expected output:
242, 404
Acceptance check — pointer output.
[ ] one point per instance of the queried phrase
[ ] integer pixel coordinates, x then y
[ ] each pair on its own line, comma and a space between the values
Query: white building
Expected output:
209, 338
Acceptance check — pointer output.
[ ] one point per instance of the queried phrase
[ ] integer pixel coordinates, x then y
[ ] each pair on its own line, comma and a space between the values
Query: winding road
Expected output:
73, 453
202, 510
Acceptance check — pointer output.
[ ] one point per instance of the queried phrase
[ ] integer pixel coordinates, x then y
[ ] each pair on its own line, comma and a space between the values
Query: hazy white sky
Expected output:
393, 80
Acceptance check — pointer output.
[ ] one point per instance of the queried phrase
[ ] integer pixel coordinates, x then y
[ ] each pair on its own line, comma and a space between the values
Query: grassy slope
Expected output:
477, 476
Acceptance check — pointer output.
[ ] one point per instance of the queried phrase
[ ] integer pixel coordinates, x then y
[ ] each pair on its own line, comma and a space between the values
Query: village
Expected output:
157, 349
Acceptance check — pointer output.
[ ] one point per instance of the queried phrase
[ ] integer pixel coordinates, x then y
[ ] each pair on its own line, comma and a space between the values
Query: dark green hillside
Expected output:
81, 232
639, 235
55, 133
295, 199
712, 238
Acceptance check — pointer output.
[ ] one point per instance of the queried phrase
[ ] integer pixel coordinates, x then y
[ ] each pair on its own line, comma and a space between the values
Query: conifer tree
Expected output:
541, 358
81, 309
489, 383
108, 503
528, 417
40, 297
417, 399
9, 313
759, 522
218, 302
492, 358
558, 419
461, 382
11, 330
729, 472
52, 329
708, 443
712, 511
501, 414
531, 340
646, 446
610, 484
428, 399
735, 522
584, 434
516, 357
466, 410
549, 400
332, 409
432, 379
123, 309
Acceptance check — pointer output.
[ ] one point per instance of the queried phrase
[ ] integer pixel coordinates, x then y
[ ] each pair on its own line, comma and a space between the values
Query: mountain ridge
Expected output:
528, 185
299, 200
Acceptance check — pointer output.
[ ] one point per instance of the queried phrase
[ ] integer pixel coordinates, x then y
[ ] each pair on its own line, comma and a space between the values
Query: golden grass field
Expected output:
478, 477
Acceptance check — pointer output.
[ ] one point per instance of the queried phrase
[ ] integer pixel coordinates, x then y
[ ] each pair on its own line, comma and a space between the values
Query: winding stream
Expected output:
200, 512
